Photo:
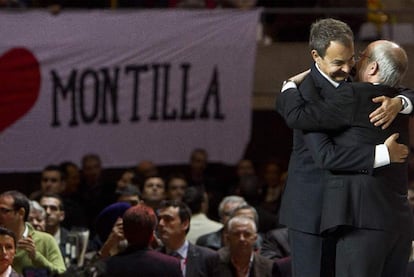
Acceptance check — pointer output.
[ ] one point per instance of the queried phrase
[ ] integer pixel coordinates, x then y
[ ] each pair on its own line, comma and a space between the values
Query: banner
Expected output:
126, 85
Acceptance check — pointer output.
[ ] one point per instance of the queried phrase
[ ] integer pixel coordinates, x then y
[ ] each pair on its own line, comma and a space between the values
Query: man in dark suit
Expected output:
55, 214
361, 211
239, 257
138, 260
173, 225
332, 49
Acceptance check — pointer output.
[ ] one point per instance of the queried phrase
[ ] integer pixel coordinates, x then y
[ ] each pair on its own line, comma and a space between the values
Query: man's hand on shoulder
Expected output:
386, 113
398, 152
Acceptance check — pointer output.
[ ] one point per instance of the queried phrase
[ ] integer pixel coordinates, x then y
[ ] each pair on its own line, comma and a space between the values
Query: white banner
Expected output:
127, 85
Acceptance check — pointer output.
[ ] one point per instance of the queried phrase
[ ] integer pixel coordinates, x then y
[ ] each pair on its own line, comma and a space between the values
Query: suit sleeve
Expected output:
327, 155
409, 93
305, 109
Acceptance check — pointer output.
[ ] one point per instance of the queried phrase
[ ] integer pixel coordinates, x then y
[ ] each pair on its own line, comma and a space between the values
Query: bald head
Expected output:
383, 62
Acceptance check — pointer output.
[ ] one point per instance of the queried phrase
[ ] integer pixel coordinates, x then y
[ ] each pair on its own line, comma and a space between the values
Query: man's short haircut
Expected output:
20, 201
230, 199
194, 197
91, 156
241, 219
56, 196
7, 232
139, 223
247, 207
176, 175
53, 167
184, 211
142, 184
129, 190
35, 206
324, 31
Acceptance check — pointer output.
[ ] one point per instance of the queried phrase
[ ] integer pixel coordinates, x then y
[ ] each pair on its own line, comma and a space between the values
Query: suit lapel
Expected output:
192, 258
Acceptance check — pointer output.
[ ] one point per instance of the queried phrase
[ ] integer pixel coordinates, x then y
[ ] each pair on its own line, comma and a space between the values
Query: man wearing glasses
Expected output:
35, 249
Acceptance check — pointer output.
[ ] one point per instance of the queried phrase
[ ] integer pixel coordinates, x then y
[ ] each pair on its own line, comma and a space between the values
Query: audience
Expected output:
35, 249
138, 260
55, 214
197, 200
173, 226
176, 186
153, 191
37, 216
8, 251
239, 257
215, 240
185, 230
52, 181
75, 214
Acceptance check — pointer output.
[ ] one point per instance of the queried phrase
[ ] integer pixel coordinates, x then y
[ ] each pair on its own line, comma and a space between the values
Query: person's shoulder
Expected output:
202, 250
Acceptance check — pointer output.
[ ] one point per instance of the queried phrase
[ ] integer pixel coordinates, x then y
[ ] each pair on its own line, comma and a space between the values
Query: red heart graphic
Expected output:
19, 85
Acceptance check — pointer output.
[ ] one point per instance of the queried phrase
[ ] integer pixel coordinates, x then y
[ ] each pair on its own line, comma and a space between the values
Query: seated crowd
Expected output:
188, 223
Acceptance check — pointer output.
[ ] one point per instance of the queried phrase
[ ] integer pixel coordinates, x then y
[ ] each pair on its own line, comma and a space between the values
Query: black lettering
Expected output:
110, 88
212, 92
185, 114
135, 101
65, 91
173, 114
154, 112
94, 83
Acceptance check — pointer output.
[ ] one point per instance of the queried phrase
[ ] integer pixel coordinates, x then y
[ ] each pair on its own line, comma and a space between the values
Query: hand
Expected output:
398, 152
28, 245
386, 113
298, 78
111, 244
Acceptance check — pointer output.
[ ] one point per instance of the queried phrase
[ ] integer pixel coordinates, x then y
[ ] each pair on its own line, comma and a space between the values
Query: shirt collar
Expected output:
26, 231
335, 84
7, 272
182, 250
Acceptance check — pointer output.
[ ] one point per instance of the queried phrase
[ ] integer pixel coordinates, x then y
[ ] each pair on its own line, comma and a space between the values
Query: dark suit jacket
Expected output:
276, 244
262, 267
301, 205
141, 262
201, 261
376, 200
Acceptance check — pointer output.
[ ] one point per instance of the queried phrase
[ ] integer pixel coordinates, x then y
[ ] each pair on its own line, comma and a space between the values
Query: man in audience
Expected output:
55, 214
34, 249
239, 258
215, 240
153, 191
174, 223
176, 186
8, 250
37, 216
129, 194
52, 181
139, 223
196, 199
96, 194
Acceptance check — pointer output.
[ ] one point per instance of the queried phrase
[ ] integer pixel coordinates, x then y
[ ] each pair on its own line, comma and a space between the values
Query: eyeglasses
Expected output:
362, 55
5, 210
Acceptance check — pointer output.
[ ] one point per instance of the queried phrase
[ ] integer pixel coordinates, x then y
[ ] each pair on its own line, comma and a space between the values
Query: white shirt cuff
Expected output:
287, 85
382, 157
409, 108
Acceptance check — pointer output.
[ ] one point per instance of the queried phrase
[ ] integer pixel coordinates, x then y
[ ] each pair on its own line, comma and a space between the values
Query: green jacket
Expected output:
47, 254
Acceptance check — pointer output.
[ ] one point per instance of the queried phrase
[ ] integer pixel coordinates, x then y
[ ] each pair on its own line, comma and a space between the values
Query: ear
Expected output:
372, 68
185, 225
315, 56
62, 216
21, 212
